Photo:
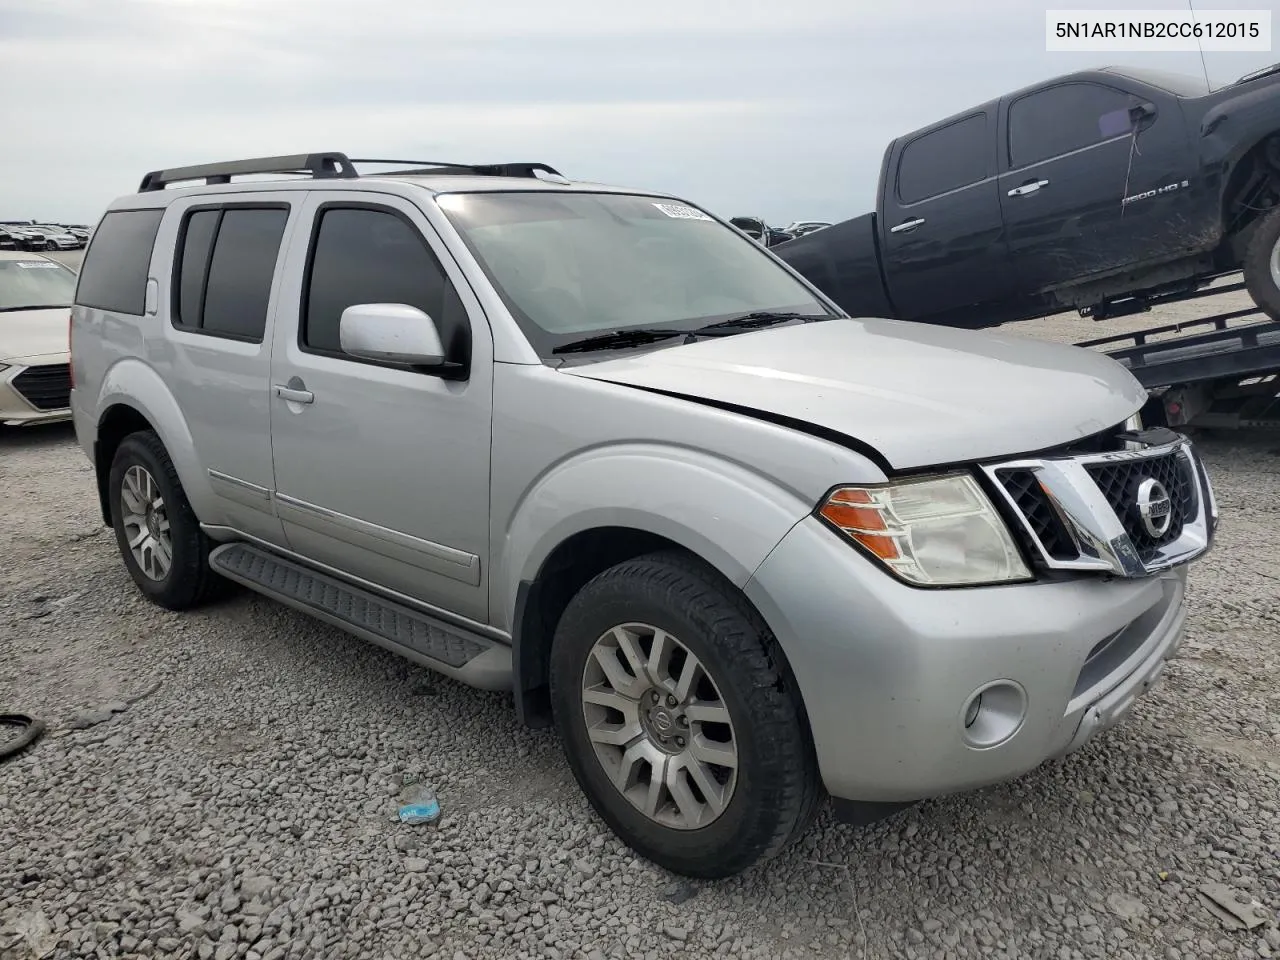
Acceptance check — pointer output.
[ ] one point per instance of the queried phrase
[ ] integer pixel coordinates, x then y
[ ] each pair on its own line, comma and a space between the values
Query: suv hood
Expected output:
921, 395
33, 333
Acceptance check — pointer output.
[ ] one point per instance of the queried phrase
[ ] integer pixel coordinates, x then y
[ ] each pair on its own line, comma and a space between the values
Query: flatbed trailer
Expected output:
1226, 377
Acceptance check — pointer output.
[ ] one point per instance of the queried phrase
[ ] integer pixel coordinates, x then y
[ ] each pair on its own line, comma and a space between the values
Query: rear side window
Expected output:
114, 273
945, 159
362, 255
1067, 117
226, 260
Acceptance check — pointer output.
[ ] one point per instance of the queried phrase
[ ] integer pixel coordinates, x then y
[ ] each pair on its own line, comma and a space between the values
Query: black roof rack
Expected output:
329, 165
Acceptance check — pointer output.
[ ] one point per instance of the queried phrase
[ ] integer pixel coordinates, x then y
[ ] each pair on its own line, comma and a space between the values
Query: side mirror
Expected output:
1142, 113
392, 333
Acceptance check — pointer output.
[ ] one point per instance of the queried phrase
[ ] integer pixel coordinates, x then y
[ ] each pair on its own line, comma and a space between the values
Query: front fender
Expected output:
729, 515
132, 383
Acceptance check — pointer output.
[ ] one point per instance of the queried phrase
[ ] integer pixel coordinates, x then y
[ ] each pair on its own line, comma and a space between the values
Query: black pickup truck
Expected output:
1101, 191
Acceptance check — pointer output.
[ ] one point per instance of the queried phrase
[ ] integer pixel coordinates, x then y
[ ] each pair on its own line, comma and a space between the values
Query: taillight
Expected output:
71, 366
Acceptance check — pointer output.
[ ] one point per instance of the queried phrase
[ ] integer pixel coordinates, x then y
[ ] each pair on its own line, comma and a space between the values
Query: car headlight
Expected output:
938, 531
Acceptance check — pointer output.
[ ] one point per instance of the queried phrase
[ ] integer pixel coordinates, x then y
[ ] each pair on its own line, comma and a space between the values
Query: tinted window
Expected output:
368, 256
114, 273
946, 159
1065, 118
227, 293
193, 264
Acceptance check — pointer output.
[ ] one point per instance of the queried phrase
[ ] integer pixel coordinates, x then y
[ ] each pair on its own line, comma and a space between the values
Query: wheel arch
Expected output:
134, 397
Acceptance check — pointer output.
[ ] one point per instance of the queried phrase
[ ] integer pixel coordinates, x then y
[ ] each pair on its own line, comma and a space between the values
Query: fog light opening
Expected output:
993, 714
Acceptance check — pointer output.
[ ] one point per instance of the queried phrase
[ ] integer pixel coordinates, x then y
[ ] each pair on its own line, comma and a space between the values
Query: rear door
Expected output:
382, 471
220, 299
1082, 195
941, 228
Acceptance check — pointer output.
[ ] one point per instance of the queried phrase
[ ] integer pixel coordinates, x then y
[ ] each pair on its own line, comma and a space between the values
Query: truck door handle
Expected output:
906, 225
1031, 186
293, 394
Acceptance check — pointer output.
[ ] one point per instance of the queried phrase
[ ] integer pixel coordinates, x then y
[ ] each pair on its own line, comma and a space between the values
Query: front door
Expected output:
382, 471
1092, 184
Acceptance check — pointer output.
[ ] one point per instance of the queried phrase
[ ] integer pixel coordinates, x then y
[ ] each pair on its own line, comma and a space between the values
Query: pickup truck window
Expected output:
574, 264
114, 273
369, 255
1066, 117
225, 263
945, 159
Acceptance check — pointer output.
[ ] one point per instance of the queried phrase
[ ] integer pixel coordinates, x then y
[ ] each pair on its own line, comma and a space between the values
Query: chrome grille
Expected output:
1084, 511
1119, 483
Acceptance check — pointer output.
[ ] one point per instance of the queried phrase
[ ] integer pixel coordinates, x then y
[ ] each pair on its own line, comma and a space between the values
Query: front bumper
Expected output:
888, 672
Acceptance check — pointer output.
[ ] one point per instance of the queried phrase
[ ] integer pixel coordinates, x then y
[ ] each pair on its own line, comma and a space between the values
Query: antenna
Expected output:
1203, 66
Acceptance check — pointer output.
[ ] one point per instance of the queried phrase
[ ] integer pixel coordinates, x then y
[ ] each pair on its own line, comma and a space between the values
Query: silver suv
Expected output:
596, 447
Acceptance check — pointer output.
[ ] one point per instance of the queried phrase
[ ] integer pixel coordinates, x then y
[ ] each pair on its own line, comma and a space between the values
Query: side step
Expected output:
452, 650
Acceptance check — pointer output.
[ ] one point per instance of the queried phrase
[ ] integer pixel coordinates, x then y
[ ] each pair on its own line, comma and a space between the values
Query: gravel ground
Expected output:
240, 803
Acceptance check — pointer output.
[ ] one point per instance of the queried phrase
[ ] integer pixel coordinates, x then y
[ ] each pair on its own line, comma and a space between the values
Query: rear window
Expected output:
114, 273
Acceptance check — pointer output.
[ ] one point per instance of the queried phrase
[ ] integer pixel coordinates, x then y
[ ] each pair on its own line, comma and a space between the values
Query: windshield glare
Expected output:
569, 265
35, 284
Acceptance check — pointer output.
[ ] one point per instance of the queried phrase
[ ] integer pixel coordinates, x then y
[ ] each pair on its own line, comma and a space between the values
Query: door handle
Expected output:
907, 225
294, 395
1031, 186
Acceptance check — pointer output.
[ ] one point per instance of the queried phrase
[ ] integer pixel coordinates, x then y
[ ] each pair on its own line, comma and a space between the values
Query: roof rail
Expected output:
519, 169
319, 165
326, 166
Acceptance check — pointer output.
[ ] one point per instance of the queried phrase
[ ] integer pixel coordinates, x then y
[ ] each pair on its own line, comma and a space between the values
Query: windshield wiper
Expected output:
633, 337
36, 306
751, 321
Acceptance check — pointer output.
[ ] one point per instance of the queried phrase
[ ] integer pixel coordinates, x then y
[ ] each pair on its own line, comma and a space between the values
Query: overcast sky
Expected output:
780, 108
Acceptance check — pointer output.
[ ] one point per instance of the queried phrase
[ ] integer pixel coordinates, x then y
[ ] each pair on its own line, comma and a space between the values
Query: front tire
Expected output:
160, 539
680, 720
1262, 265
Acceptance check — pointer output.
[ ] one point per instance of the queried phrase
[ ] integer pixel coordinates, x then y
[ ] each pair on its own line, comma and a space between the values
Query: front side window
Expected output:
226, 261
1064, 118
35, 284
374, 255
571, 265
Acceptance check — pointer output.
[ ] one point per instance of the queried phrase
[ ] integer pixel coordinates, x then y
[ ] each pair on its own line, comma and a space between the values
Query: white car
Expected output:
36, 293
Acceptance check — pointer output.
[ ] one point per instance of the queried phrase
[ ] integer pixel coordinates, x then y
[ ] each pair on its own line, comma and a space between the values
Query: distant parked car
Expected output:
798, 228
36, 293
9, 241
761, 232
28, 238
57, 238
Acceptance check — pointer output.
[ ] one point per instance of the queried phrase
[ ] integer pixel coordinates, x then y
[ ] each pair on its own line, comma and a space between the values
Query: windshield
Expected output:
1179, 85
569, 265
35, 284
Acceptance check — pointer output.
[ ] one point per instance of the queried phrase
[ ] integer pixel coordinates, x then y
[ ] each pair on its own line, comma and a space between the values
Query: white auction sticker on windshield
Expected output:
681, 212
37, 265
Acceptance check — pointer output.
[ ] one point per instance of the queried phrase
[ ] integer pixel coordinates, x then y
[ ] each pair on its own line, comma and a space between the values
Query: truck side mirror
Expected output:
1141, 113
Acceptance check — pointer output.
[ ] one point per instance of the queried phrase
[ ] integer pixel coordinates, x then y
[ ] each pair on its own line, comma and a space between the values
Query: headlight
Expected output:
938, 531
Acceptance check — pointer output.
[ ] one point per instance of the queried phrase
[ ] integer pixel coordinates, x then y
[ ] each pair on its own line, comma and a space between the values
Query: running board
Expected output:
448, 649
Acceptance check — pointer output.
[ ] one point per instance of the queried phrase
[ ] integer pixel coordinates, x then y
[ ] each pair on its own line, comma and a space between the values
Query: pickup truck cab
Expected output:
1087, 189
597, 447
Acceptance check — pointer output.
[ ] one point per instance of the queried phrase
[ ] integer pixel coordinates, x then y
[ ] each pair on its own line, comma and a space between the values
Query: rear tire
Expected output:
160, 539
704, 817
1262, 265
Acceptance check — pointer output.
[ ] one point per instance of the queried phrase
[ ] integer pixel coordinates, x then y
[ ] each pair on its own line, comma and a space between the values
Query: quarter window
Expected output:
114, 274
1067, 117
945, 159
225, 266
364, 255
